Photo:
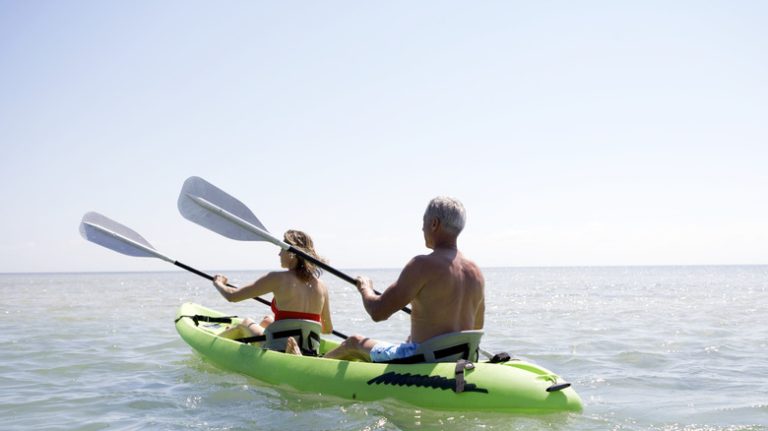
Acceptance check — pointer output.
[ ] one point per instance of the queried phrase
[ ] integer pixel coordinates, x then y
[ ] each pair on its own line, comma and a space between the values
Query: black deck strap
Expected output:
450, 351
314, 336
500, 358
253, 339
309, 352
288, 333
461, 365
292, 333
283, 334
197, 318
415, 359
275, 335
305, 352
442, 353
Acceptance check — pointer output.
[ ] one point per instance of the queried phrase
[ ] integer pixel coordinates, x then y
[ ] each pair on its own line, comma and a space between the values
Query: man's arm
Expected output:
398, 295
480, 315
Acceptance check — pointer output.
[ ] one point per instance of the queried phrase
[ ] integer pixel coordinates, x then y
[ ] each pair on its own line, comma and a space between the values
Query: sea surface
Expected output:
647, 348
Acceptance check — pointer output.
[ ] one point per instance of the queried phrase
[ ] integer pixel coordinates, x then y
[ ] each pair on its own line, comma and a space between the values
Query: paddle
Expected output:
110, 234
207, 205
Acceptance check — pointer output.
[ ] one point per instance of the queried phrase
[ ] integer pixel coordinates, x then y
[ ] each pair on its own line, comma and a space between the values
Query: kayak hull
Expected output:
514, 386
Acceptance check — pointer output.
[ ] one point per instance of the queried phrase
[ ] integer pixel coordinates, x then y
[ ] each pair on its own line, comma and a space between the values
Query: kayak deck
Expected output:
514, 386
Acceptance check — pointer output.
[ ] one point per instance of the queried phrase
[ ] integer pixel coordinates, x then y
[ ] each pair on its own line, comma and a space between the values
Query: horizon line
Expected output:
399, 268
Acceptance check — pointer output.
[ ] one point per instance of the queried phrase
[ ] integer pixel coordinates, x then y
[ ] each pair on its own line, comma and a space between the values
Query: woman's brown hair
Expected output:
304, 268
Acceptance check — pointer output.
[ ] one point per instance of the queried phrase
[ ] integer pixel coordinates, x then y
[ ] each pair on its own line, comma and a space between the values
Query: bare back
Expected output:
451, 297
293, 294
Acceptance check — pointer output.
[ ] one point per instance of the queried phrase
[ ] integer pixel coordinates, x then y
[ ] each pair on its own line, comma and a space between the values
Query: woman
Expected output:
298, 293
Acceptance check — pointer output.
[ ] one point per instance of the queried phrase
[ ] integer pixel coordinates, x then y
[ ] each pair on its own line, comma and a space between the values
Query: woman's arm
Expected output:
267, 283
325, 314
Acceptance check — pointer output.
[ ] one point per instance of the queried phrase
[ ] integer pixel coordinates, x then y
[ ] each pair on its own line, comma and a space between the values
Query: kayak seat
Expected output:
449, 347
306, 333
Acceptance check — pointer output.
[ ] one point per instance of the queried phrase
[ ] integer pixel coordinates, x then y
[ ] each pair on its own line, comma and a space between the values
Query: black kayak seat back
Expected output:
448, 347
305, 332
451, 347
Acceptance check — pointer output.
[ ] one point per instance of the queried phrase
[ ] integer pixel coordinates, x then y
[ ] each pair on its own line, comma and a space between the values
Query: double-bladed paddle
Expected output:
207, 205
110, 234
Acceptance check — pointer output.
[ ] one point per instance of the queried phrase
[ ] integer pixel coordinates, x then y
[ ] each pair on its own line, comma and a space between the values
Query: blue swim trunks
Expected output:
383, 351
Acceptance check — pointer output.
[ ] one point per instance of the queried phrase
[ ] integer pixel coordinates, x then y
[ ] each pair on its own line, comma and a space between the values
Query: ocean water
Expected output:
647, 348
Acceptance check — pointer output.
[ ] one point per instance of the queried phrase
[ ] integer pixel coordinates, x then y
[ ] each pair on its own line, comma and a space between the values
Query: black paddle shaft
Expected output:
210, 277
262, 300
332, 270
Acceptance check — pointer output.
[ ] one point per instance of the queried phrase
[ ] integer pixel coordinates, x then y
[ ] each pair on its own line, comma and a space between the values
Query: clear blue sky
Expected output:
576, 133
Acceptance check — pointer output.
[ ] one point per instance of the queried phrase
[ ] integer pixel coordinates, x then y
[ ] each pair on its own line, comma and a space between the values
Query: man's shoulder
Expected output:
425, 260
421, 258
421, 266
469, 263
449, 258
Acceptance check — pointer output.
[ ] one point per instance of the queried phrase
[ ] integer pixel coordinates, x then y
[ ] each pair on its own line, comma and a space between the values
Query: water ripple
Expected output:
668, 349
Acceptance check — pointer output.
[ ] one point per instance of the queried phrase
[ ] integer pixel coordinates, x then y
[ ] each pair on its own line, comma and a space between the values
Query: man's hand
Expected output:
363, 284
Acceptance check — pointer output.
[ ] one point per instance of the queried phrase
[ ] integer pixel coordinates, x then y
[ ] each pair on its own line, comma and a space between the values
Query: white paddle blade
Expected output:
207, 205
108, 233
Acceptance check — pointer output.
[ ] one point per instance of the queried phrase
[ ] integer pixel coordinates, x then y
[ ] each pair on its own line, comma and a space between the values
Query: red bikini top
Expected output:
282, 315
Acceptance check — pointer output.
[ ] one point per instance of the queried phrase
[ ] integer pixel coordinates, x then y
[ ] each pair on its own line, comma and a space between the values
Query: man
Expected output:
445, 289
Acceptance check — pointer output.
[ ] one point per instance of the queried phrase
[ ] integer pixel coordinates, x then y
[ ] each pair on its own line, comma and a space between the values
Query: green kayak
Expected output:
511, 386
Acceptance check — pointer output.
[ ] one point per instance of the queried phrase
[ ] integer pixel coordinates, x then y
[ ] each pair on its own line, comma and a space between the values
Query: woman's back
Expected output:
295, 294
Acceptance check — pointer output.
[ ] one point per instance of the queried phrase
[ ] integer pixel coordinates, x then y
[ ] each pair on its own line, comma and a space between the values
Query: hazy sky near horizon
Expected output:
575, 133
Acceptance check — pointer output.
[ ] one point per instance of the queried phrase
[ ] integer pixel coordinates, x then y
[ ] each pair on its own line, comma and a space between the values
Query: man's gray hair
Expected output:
449, 211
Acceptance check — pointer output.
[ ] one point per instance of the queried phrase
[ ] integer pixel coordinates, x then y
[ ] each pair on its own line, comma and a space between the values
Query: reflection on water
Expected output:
667, 348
